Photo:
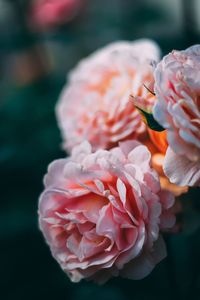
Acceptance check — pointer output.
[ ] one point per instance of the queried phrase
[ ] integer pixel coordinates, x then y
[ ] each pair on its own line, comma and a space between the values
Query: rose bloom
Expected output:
47, 13
101, 213
177, 87
95, 104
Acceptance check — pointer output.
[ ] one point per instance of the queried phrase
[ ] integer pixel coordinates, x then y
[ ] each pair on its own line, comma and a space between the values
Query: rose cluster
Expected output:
105, 206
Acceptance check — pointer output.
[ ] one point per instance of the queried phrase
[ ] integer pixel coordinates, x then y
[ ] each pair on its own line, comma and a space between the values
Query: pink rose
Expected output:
177, 86
101, 213
47, 13
95, 104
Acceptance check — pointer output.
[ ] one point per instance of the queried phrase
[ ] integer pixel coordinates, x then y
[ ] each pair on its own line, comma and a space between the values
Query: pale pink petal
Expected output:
181, 170
140, 156
54, 170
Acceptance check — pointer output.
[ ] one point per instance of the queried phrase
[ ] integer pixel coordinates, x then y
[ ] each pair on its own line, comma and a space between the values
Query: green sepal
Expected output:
150, 121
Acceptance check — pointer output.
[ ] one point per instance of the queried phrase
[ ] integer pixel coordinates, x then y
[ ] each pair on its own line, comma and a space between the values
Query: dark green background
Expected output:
30, 140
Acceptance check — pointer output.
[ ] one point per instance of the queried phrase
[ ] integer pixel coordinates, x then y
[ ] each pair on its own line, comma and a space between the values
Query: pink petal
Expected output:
128, 146
55, 171
180, 170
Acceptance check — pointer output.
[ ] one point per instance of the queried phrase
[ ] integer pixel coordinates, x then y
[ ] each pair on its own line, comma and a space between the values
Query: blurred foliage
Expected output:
30, 140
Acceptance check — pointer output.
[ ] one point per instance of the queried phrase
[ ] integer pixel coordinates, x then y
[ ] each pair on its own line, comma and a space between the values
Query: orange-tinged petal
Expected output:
173, 188
159, 139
